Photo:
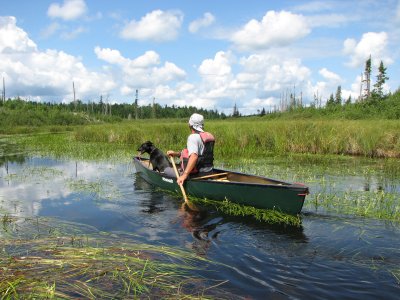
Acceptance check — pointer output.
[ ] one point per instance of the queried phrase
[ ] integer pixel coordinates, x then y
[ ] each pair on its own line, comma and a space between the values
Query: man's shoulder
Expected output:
194, 138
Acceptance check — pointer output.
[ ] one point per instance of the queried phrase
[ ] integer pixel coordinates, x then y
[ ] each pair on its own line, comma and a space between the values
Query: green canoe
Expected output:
245, 189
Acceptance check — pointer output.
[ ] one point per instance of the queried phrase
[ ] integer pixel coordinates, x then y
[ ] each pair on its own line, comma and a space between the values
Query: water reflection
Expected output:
356, 256
152, 204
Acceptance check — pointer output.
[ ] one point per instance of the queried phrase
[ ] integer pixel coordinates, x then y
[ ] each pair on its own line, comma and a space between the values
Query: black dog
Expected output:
158, 159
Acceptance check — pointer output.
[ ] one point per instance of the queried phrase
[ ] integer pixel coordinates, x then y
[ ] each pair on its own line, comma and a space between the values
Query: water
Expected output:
330, 256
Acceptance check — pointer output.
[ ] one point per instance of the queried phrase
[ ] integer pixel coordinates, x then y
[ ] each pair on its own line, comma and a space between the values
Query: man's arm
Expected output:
173, 153
190, 166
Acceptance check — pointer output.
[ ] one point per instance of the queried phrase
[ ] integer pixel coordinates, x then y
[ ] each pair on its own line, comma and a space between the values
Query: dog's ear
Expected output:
149, 143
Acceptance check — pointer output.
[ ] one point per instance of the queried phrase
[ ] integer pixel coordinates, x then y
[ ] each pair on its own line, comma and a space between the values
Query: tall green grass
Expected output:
255, 137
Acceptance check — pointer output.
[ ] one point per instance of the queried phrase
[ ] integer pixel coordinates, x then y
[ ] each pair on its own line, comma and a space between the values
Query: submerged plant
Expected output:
107, 267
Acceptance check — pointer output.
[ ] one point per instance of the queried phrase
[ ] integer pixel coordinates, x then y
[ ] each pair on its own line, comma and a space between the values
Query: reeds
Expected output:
255, 137
65, 266
245, 138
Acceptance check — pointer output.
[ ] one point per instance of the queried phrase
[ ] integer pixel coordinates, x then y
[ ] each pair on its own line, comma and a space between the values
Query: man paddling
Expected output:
198, 157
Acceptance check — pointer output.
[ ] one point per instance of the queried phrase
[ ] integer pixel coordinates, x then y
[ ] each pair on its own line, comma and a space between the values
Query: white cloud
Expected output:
273, 72
219, 66
207, 20
216, 75
144, 71
328, 75
110, 55
275, 29
371, 44
49, 73
12, 38
148, 59
69, 10
159, 26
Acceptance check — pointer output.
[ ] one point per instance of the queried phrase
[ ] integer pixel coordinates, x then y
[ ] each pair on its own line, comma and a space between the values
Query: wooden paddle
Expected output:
190, 205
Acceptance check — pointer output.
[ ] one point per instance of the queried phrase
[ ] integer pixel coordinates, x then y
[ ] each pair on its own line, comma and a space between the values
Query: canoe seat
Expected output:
212, 176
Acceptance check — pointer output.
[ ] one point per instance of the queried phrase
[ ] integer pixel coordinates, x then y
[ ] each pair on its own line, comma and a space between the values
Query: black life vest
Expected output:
204, 160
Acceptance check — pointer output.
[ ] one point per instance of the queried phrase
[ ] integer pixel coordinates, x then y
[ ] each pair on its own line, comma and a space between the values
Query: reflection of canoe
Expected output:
251, 190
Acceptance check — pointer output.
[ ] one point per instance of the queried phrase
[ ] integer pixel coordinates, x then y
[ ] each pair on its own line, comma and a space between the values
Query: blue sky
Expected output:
209, 54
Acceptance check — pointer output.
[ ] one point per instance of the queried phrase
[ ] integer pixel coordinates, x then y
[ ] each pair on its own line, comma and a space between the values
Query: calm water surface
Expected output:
328, 257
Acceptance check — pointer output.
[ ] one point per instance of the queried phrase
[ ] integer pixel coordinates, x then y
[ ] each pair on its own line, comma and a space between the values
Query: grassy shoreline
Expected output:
249, 137
255, 137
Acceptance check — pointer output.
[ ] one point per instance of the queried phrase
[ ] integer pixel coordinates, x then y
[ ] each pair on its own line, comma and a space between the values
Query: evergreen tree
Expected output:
331, 101
235, 111
338, 96
380, 81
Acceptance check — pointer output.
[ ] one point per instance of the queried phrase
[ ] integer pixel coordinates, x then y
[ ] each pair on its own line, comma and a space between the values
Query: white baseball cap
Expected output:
197, 122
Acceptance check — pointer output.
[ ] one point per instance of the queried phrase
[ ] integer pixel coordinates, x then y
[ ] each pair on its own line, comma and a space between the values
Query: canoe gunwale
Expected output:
277, 184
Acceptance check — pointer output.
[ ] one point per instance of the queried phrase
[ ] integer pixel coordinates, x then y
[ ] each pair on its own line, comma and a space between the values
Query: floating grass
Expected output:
262, 215
374, 204
98, 189
237, 210
100, 266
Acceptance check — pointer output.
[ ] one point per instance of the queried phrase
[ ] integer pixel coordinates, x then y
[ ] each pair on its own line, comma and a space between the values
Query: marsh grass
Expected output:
237, 210
58, 264
261, 215
374, 204
245, 137
98, 189
253, 137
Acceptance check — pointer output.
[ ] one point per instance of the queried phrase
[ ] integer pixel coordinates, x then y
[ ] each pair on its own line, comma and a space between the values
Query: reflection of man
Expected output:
193, 222
198, 157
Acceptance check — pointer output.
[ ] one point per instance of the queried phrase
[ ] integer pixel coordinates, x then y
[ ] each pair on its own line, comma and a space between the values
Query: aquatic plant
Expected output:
57, 264
98, 189
268, 216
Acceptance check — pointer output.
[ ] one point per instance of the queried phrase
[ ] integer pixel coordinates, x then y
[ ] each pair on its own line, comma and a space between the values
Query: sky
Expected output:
209, 54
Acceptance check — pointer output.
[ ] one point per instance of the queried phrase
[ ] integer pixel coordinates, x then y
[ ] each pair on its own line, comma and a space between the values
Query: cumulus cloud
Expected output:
43, 74
159, 26
371, 44
143, 71
273, 73
109, 55
207, 20
328, 75
69, 10
275, 29
13, 38
216, 75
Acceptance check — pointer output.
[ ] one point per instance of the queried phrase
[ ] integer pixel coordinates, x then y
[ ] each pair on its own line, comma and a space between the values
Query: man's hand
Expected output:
173, 153
182, 178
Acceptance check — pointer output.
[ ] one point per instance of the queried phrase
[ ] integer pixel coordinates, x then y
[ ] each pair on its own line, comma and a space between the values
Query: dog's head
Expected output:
146, 147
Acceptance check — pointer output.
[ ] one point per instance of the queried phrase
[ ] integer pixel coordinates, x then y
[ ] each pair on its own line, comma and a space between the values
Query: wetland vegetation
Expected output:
349, 160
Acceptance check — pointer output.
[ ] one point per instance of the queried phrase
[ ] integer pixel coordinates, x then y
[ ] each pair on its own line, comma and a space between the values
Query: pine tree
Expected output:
338, 96
331, 101
235, 111
380, 81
